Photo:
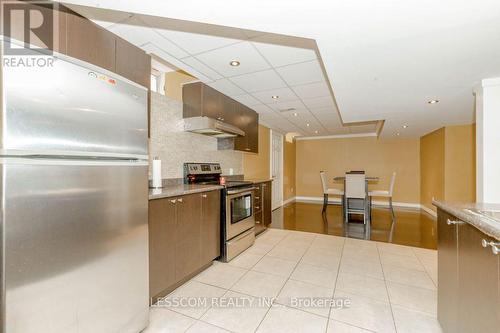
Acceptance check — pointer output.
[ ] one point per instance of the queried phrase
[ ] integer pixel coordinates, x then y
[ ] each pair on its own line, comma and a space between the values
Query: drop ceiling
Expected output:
383, 60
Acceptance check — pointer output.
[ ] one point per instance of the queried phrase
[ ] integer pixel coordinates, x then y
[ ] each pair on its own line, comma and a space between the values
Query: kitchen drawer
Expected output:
259, 222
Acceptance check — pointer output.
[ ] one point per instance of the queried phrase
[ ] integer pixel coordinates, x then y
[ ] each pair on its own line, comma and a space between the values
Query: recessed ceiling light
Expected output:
275, 97
398, 134
316, 132
295, 114
433, 101
405, 126
307, 125
234, 63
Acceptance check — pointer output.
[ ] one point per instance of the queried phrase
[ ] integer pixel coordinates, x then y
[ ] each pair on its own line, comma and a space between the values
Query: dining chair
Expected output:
329, 191
355, 191
386, 194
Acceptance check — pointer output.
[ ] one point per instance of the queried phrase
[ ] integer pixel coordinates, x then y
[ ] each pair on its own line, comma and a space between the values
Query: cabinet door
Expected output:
478, 282
188, 235
210, 228
132, 63
88, 42
212, 103
230, 109
241, 142
266, 203
191, 100
447, 273
162, 239
51, 37
253, 132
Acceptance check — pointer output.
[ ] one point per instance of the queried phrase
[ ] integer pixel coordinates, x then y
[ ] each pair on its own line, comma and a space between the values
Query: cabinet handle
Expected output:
180, 200
257, 207
203, 195
494, 245
257, 222
173, 201
451, 222
257, 198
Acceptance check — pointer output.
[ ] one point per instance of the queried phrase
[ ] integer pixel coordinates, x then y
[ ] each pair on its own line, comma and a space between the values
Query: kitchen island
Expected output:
468, 267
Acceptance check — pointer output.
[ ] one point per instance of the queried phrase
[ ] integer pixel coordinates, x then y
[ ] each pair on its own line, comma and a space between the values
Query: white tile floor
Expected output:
391, 288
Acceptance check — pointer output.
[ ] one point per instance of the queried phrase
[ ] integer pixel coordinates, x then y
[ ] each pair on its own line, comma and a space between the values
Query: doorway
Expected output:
277, 169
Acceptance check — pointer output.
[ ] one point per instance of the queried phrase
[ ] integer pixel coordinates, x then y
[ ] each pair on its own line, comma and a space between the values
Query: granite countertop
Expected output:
180, 189
489, 226
258, 181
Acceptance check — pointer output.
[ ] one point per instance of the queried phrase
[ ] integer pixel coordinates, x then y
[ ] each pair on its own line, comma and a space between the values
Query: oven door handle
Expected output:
231, 192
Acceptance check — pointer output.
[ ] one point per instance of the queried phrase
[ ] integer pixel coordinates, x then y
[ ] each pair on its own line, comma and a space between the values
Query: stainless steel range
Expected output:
237, 219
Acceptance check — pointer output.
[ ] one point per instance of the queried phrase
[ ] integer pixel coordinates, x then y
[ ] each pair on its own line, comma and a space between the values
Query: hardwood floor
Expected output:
411, 227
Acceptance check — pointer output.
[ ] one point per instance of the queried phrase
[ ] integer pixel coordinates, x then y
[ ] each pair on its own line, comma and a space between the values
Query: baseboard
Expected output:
428, 211
289, 200
375, 203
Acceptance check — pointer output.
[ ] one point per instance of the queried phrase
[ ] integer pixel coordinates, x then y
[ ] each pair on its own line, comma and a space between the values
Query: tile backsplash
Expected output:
174, 146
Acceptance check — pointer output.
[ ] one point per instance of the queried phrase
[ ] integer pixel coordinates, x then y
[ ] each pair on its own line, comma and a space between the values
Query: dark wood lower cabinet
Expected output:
162, 240
188, 235
210, 226
468, 278
262, 206
478, 283
447, 273
184, 237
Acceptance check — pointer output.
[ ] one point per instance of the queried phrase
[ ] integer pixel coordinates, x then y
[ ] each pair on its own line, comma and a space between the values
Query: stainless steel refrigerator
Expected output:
74, 200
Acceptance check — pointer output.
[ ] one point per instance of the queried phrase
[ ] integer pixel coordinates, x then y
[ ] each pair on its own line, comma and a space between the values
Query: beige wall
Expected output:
173, 84
448, 165
289, 169
378, 157
432, 154
460, 163
257, 166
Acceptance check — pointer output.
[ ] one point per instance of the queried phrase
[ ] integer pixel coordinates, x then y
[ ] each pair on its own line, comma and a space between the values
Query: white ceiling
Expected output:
384, 59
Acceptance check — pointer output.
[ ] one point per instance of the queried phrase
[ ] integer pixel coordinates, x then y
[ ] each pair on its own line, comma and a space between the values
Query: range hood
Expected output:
211, 127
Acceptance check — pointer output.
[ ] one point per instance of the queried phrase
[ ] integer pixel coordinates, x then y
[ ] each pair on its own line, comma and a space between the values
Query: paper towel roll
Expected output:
156, 173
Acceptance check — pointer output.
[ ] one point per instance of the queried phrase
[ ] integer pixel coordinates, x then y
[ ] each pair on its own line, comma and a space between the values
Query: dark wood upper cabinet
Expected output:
201, 100
88, 42
210, 226
132, 62
53, 37
162, 240
249, 123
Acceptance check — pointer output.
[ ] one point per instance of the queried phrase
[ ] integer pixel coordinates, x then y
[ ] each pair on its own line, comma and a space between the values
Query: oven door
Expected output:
239, 212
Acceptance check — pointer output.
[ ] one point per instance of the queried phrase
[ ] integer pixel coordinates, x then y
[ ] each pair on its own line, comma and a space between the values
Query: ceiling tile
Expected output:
153, 49
262, 109
323, 109
296, 105
319, 102
219, 59
284, 94
201, 67
279, 55
194, 43
259, 81
303, 73
139, 33
312, 90
226, 87
246, 99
